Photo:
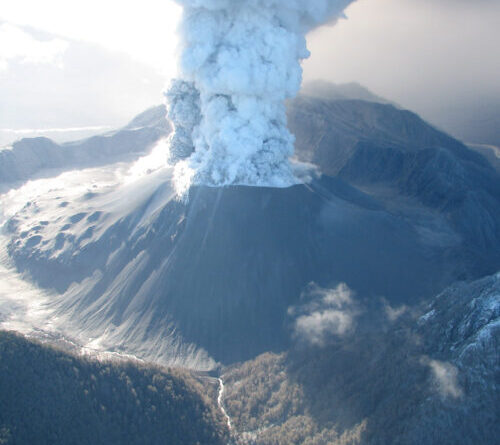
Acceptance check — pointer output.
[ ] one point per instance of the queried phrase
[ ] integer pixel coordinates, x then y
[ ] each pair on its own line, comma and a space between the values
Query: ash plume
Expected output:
240, 61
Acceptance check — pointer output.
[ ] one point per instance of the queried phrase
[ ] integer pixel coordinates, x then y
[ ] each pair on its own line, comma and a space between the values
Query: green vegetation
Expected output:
51, 397
266, 402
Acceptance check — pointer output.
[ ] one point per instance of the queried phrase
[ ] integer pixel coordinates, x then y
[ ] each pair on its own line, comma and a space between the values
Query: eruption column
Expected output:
240, 62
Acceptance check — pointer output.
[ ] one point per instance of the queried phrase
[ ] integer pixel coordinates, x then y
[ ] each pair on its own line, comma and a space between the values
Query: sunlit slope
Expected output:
35, 157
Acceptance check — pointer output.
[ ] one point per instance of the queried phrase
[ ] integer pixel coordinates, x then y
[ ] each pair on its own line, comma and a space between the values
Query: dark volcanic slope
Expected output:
328, 131
224, 268
51, 397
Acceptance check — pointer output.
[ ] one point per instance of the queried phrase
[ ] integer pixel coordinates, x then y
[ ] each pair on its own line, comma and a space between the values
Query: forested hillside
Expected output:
427, 378
50, 397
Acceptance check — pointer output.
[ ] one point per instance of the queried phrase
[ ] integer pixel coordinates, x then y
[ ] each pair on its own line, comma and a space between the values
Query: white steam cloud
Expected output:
326, 313
240, 61
445, 376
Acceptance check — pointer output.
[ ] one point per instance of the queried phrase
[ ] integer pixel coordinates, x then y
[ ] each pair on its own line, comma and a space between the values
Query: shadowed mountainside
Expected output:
393, 155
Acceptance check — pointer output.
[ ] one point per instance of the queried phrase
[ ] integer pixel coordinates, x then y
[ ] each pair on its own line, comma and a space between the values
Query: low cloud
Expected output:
394, 313
445, 376
325, 313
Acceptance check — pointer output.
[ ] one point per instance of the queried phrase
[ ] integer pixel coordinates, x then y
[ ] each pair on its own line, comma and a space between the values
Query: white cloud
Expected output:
49, 86
329, 312
144, 30
316, 327
17, 45
393, 313
445, 376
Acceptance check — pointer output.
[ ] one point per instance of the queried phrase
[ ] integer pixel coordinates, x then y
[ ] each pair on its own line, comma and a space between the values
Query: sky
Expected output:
96, 64
142, 29
435, 57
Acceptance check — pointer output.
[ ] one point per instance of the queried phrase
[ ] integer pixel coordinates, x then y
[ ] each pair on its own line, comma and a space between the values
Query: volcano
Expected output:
395, 211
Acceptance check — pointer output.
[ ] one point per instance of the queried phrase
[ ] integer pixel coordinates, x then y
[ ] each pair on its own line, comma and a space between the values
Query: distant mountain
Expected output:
475, 121
322, 89
428, 376
388, 152
29, 158
490, 152
50, 397
329, 131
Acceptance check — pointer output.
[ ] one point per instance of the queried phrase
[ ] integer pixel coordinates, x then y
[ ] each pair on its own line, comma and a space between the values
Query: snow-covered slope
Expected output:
38, 157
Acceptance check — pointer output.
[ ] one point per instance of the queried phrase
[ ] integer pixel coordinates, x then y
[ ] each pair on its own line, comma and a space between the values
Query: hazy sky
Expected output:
93, 62
416, 52
143, 29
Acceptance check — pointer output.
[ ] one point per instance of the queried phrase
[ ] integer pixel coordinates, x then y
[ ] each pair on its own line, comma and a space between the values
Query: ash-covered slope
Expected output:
430, 377
220, 271
31, 157
322, 89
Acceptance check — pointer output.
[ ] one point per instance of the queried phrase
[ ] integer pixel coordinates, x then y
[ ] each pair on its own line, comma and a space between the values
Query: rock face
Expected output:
430, 377
409, 211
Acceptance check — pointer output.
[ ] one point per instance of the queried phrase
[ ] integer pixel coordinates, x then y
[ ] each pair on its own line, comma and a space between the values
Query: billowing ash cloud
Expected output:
240, 61
183, 101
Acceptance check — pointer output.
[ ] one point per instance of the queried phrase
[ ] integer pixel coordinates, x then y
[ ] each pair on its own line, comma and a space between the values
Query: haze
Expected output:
96, 65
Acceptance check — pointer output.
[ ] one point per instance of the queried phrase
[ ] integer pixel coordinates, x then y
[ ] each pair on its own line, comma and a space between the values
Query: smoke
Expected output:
445, 376
325, 313
394, 313
183, 101
240, 61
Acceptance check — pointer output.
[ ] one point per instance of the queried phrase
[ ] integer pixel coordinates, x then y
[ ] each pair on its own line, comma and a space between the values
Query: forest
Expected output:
48, 396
